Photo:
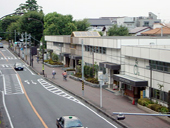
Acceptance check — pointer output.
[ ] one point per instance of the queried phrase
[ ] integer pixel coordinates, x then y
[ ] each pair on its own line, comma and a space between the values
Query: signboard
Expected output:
99, 74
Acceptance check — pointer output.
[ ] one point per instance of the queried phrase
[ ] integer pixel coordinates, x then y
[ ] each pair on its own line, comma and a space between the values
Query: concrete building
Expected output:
128, 60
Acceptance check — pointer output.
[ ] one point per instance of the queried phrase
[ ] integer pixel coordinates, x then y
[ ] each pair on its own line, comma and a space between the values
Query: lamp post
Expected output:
42, 43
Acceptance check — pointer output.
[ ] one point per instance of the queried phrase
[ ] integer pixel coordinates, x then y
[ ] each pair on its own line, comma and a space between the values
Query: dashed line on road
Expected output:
60, 92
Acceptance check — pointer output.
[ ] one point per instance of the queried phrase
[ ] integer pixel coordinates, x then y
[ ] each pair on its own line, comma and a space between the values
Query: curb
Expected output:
80, 97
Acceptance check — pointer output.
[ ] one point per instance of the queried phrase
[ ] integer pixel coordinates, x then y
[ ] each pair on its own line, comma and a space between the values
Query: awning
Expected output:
75, 57
109, 65
65, 54
133, 81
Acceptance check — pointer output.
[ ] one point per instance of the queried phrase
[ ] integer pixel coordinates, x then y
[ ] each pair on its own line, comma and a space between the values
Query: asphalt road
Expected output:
32, 102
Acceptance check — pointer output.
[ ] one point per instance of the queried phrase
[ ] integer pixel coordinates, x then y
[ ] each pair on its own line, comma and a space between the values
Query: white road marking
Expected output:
33, 82
27, 81
17, 89
29, 70
11, 53
65, 95
9, 118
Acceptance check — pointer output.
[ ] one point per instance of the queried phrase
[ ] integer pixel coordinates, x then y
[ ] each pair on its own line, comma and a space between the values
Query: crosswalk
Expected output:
9, 58
57, 91
6, 66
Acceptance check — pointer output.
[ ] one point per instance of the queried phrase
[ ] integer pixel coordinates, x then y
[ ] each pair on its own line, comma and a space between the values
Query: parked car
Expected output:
18, 66
1, 45
69, 122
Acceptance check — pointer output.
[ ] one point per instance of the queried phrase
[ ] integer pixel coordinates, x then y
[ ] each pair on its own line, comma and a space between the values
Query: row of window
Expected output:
160, 95
160, 66
95, 49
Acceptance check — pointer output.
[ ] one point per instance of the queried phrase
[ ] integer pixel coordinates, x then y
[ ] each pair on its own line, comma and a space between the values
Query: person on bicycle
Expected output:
64, 75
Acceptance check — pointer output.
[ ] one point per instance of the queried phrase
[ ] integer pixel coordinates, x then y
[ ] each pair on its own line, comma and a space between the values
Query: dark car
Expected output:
18, 66
69, 122
1, 45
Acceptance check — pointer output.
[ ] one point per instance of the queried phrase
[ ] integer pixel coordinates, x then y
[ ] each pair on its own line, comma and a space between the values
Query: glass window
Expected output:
104, 50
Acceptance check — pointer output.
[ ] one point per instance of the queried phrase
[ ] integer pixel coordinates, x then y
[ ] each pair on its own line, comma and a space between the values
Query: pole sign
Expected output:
99, 74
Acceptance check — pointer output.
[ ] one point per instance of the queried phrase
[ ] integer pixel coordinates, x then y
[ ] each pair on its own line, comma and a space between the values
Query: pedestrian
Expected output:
53, 73
64, 75
37, 59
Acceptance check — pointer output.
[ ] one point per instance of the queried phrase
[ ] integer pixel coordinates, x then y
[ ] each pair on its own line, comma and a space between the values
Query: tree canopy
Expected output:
58, 24
82, 25
118, 31
30, 5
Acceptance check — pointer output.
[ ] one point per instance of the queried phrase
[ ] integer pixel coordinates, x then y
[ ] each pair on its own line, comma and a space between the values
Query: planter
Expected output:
70, 72
53, 66
148, 110
87, 83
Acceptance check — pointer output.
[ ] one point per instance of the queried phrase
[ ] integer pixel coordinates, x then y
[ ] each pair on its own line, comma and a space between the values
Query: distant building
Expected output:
138, 30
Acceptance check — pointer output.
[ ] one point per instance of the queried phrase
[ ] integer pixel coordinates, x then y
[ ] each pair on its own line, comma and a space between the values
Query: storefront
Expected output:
74, 60
131, 86
111, 68
67, 59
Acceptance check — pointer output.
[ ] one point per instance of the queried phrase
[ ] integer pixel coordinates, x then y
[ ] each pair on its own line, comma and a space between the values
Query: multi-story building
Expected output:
136, 65
129, 22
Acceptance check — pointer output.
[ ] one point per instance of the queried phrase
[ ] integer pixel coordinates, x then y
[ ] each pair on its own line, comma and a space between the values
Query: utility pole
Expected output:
82, 68
26, 44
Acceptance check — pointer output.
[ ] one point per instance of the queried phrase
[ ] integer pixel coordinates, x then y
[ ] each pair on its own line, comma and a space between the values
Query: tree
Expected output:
8, 20
118, 31
57, 24
82, 25
10, 30
30, 5
33, 26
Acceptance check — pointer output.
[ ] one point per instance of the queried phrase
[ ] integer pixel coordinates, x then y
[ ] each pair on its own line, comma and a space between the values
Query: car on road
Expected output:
1, 45
120, 116
68, 122
18, 66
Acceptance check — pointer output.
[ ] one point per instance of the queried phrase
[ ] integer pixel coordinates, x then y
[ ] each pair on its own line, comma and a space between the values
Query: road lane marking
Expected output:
4, 56
11, 53
67, 96
9, 118
35, 111
29, 70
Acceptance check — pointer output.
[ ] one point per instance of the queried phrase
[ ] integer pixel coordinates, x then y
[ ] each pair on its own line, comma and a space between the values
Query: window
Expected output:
129, 87
146, 23
158, 94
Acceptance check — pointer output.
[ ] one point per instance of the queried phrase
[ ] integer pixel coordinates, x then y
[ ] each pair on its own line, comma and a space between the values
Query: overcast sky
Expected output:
81, 9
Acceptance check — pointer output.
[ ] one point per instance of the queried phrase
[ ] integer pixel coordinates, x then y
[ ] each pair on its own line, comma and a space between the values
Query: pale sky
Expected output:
81, 9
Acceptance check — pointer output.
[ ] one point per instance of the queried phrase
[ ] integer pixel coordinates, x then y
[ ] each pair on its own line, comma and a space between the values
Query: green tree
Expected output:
10, 35
82, 25
30, 5
33, 26
8, 20
57, 24
118, 31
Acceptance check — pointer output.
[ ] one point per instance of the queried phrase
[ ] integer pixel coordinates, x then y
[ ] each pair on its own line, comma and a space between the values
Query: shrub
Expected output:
164, 109
144, 101
70, 70
78, 75
156, 107
93, 80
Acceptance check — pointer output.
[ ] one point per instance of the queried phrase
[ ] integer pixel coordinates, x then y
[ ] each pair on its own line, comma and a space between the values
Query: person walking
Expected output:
37, 59
53, 73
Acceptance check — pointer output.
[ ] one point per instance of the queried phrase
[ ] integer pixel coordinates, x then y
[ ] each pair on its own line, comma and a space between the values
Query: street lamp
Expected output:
82, 68
42, 43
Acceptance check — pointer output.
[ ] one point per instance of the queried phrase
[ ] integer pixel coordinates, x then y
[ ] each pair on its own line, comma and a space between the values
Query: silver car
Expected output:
1, 45
18, 66
69, 122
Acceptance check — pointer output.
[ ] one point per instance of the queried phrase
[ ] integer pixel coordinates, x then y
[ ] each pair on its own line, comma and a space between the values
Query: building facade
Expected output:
128, 61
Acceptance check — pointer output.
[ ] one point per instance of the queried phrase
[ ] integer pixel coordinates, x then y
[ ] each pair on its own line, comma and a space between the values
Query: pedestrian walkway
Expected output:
112, 102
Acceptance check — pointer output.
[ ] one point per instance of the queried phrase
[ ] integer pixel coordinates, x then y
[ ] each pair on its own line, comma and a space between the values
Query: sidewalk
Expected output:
111, 101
